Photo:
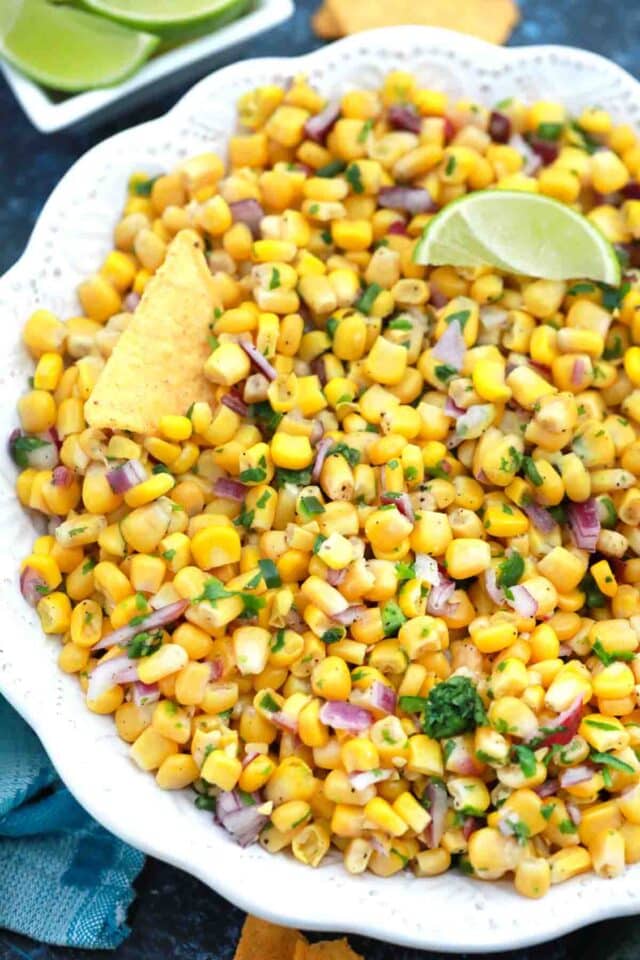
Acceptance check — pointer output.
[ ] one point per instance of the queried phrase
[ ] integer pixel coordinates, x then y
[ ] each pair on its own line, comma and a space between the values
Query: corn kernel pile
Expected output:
384, 595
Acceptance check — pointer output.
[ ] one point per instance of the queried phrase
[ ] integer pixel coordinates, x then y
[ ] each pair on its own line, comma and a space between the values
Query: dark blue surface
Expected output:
175, 916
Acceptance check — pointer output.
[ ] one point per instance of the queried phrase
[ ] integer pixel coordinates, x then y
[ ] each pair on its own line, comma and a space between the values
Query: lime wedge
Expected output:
68, 49
169, 18
518, 232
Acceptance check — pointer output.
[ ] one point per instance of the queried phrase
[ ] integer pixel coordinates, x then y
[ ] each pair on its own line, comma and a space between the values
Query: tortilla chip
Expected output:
261, 940
491, 20
332, 950
156, 367
324, 24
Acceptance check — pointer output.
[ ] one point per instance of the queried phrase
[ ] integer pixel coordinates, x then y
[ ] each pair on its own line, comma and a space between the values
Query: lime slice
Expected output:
518, 232
169, 18
68, 49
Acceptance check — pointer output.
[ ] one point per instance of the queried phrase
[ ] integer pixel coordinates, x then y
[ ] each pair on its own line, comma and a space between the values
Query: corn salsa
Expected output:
380, 593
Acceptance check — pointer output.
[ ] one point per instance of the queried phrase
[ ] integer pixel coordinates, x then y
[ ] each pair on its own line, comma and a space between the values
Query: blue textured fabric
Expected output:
63, 878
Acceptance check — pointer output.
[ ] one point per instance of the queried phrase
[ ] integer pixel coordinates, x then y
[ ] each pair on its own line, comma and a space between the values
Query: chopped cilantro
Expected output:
21, 447
354, 178
460, 315
405, 571
143, 188
413, 704
526, 758
320, 539
76, 531
550, 131
326, 237
411, 474
366, 301
510, 570
274, 281
278, 642
608, 657
579, 288
310, 506
531, 471
444, 372
88, 565
299, 478
144, 643
253, 475
205, 803
264, 499
392, 618
351, 455
265, 416
366, 129
601, 725
268, 703
331, 169
612, 297
400, 323
168, 555
607, 760
567, 826
333, 634
451, 165
244, 518
547, 810
453, 707
270, 573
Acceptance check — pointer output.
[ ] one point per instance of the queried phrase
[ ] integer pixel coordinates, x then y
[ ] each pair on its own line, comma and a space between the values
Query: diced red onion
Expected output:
32, 586
470, 825
145, 693
151, 621
62, 476
380, 697
438, 299
126, 476
495, 592
258, 359
546, 150
564, 650
565, 726
426, 569
380, 846
243, 821
234, 402
322, 451
413, 200
131, 301
335, 577
493, 318
448, 129
578, 371
108, 673
524, 604
403, 504
438, 805
452, 409
317, 127
451, 348
584, 522
499, 127
350, 615
366, 778
548, 788
540, 517
216, 669
631, 191
230, 489
438, 603
398, 227
573, 775
317, 432
248, 212
345, 716
574, 812
294, 621
472, 423
404, 118
284, 721
319, 367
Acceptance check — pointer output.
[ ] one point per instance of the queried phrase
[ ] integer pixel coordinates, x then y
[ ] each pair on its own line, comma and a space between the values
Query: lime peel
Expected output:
518, 232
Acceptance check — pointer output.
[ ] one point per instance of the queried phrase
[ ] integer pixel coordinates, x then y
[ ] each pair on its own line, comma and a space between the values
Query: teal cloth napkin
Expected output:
63, 879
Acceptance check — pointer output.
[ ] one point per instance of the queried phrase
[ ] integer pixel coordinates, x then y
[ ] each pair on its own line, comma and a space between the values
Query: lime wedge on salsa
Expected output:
171, 19
68, 49
518, 232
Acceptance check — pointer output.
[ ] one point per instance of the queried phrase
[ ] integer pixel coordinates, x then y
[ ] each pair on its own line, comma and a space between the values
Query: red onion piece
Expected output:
322, 451
499, 127
284, 721
216, 669
108, 673
524, 604
548, 788
631, 191
470, 825
230, 489
584, 523
565, 726
438, 604
258, 359
335, 577
366, 778
472, 423
402, 503
32, 586
532, 161
438, 806
412, 199
540, 517
382, 697
493, 318
131, 301
438, 299
294, 621
452, 409
546, 150
574, 812
62, 476
398, 227
350, 615
345, 716
573, 775
248, 212
151, 621
319, 367
451, 348
126, 476
495, 592
578, 371
404, 118
316, 128
243, 821
317, 432
234, 402
145, 693
448, 129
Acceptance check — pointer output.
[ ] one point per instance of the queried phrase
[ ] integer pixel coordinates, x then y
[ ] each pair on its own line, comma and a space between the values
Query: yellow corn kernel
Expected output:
150, 750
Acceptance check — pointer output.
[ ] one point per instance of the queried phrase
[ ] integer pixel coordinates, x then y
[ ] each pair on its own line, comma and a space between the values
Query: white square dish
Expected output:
450, 912
48, 114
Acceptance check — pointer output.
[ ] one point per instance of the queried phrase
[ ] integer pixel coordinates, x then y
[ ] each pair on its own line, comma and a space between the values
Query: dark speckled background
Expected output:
175, 916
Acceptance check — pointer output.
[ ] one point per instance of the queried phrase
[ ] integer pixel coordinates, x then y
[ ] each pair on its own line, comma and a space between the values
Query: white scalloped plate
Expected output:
451, 912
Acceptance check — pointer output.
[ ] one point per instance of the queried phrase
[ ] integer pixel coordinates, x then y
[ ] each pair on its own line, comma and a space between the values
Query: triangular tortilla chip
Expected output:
266, 941
332, 950
156, 367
